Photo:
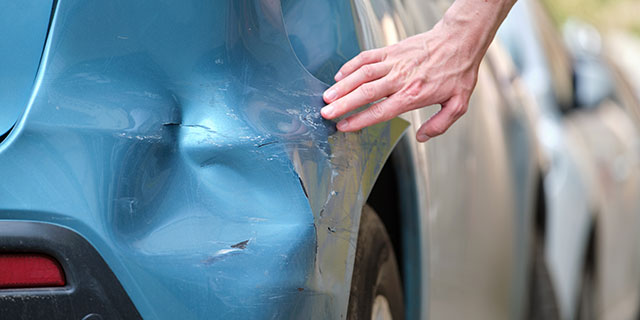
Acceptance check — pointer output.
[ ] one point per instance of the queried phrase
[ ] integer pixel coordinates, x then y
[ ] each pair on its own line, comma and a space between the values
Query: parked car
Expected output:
169, 161
621, 47
588, 132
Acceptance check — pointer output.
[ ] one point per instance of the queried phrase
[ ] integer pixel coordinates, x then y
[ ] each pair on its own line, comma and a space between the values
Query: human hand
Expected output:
436, 67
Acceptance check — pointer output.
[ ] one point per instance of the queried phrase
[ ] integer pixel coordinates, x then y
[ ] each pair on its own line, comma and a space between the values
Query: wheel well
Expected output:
591, 249
385, 200
540, 225
395, 198
540, 218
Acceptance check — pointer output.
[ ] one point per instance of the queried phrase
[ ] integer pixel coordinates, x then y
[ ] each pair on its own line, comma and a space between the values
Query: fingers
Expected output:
366, 73
364, 94
365, 57
451, 111
376, 113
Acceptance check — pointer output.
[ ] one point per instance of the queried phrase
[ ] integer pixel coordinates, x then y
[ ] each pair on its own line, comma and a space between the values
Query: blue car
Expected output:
168, 160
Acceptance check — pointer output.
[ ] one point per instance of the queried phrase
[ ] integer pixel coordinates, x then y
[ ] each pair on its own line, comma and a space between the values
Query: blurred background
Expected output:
608, 15
618, 22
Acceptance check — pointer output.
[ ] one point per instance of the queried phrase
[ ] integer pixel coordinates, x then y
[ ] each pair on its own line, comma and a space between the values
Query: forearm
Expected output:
476, 23
439, 66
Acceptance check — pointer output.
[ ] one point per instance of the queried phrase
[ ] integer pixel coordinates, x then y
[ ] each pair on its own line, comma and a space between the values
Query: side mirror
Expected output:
591, 75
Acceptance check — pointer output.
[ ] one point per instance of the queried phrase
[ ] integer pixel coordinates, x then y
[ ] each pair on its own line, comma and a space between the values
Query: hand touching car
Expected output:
436, 67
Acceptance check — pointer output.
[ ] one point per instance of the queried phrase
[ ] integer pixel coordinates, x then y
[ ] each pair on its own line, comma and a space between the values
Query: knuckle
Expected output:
338, 89
377, 112
438, 129
459, 110
355, 61
414, 89
394, 76
415, 62
403, 74
368, 91
383, 55
367, 71
372, 55
364, 55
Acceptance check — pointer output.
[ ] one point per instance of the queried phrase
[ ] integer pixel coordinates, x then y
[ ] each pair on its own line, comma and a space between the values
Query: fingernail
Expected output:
338, 76
343, 125
423, 137
327, 111
330, 94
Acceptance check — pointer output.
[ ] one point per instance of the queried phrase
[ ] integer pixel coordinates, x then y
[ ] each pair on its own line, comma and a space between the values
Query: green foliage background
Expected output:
604, 14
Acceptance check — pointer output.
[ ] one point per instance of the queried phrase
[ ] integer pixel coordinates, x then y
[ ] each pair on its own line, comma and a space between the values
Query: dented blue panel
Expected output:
322, 34
183, 140
23, 30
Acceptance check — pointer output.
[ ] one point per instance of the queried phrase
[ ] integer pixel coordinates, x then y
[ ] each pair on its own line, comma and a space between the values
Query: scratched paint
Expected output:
184, 141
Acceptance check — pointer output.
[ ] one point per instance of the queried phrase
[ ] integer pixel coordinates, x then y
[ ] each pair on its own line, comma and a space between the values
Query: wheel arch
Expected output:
395, 198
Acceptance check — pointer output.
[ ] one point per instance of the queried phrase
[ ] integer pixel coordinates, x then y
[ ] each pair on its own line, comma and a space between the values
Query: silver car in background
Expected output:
467, 199
588, 132
213, 187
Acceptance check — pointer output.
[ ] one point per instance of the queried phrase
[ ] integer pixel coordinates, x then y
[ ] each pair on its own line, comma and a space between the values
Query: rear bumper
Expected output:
91, 286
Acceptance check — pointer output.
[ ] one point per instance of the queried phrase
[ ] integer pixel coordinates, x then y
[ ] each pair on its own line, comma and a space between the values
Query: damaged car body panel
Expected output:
24, 30
184, 141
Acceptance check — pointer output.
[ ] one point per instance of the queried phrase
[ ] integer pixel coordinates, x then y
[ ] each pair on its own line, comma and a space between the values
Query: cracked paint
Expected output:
168, 149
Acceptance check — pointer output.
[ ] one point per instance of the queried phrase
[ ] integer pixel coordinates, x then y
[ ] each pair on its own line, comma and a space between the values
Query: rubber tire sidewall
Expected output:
375, 270
542, 297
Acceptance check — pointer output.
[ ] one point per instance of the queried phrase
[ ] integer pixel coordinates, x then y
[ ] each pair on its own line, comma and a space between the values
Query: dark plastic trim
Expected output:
92, 290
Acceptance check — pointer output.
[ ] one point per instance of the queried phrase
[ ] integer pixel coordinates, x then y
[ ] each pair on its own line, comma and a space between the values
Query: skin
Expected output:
439, 66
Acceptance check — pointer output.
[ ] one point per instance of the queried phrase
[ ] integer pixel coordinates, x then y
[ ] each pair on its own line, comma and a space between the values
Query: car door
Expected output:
477, 183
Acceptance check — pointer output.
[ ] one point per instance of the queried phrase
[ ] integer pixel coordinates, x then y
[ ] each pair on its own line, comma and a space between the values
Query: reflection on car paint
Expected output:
24, 30
182, 140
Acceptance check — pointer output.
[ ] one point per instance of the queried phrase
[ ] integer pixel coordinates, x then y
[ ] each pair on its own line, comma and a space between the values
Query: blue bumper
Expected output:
183, 140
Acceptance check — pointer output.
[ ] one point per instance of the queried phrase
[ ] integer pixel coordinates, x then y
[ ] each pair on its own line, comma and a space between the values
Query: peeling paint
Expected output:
241, 245
165, 152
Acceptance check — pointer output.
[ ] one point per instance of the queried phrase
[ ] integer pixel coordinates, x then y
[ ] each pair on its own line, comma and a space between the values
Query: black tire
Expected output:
587, 308
542, 298
586, 305
375, 271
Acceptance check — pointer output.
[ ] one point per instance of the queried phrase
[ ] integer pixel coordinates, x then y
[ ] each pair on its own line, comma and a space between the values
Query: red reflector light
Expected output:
29, 271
